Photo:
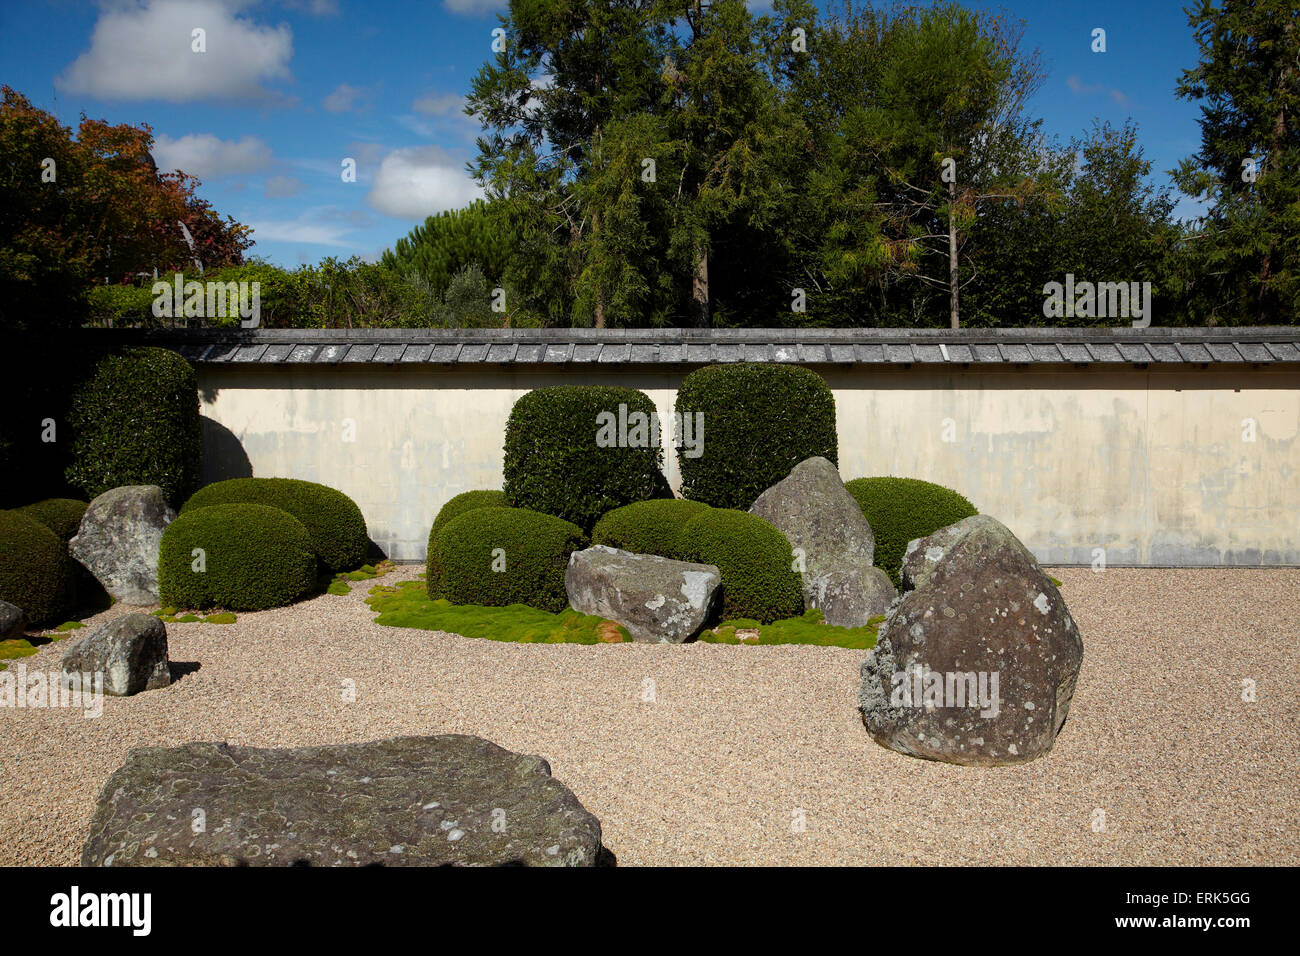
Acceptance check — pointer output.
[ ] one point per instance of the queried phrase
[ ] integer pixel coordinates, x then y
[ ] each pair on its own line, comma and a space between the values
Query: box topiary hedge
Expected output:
335, 523
648, 527
36, 573
254, 557
467, 501
755, 559
135, 421
554, 463
61, 515
900, 510
759, 421
501, 556
461, 503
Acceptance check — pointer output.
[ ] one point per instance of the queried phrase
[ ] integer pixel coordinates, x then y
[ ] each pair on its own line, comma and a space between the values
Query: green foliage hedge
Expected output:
457, 506
760, 420
61, 515
135, 421
467, 501
535, 549
552, 461
36, 573
335, 523
648, 527
256, 557
900, 510
756, 562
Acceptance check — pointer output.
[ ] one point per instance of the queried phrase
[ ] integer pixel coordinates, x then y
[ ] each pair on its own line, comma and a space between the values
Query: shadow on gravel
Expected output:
179, 669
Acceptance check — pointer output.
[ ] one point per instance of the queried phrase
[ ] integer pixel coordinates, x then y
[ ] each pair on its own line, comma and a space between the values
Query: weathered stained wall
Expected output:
1148, 464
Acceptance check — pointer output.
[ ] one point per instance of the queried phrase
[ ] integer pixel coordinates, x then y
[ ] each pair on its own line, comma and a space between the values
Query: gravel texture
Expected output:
742, 744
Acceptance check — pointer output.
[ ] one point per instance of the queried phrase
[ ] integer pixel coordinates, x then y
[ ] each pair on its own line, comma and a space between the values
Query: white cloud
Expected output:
416, 182
298, 230
439, 104
1085, 89
141, 49
280, 187
207, 157
474, 7
344, 98
318, 8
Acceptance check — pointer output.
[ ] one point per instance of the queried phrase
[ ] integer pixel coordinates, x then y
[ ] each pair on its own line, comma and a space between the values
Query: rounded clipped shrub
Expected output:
135, 421
335, 523
758, 421
501, 556
253, 557
36, 573
61, 515
578, 451
461, 503
648, 527
900, 510
467, 501
755, 559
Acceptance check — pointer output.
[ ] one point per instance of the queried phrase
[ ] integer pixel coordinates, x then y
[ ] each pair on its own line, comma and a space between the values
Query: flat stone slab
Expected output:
406, 801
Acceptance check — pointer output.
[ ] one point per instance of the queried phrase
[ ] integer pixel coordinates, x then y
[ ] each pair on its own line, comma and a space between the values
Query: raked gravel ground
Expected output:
740, 743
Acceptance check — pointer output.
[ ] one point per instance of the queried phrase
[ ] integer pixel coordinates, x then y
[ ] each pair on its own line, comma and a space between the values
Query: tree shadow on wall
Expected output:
223, 453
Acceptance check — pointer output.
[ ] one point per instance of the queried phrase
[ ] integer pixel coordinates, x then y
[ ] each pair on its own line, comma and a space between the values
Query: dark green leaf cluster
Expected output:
759, 420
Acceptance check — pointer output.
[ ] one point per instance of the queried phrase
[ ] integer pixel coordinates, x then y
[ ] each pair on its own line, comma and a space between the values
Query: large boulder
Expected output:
129, 651
977, 662
656, 599
406, 801
818, 516
118, 541
12, 621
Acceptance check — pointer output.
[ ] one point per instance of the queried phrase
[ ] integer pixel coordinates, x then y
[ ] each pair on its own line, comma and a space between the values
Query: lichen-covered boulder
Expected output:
406, 801
825, 524
129, 651
656, 599
851, 595
118, 541
977, 662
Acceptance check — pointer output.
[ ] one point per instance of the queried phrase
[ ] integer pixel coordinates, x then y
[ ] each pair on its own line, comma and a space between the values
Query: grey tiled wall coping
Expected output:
1073, 346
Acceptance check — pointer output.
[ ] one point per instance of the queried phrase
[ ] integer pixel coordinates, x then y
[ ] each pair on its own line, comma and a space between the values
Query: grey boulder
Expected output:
656, 599
819, 517
406, 801
12, 621
850, 595
129, 651
977, 662
118, 541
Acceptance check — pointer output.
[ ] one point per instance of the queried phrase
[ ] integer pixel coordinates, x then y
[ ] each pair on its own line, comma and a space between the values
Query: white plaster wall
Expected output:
1149, 465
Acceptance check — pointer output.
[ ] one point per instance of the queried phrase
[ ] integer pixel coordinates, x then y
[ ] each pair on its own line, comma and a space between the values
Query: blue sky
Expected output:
289, 88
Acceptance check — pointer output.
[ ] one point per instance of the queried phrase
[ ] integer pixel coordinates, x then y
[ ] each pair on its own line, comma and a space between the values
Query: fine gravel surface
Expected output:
708, 754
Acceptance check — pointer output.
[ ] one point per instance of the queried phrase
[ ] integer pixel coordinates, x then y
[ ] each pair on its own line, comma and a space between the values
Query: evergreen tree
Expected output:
1242, 261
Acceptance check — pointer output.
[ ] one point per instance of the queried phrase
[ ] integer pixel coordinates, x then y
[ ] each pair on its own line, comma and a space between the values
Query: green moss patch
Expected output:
70, 626
226, 617
810, 628
340, 584
20, 647
408, 605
